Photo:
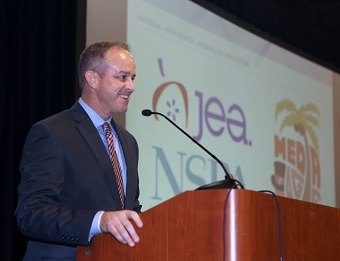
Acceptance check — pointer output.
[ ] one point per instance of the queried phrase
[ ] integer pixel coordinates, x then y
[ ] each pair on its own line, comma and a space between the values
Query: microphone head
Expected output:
227, 183
146, 112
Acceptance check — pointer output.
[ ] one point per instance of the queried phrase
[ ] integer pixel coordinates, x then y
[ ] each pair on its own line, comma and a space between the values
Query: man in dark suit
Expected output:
68, 191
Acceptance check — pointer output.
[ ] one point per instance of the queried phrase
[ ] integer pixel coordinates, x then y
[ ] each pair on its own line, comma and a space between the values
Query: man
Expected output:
69, 189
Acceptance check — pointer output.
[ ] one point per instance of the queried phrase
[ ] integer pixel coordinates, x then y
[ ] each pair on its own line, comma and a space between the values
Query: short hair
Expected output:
93, 58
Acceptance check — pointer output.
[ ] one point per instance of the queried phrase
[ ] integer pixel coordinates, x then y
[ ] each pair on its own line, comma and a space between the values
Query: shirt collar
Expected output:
95, 118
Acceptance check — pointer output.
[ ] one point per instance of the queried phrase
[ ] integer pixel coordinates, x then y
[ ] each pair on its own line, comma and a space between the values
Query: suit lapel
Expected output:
92, 138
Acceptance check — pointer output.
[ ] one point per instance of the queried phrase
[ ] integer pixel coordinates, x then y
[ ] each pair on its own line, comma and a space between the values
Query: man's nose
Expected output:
130, 85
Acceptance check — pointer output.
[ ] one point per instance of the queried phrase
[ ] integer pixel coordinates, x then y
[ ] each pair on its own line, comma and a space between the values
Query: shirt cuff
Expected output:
95, 227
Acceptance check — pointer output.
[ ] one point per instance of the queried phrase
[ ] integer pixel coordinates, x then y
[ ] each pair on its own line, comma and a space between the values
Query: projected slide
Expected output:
258, 108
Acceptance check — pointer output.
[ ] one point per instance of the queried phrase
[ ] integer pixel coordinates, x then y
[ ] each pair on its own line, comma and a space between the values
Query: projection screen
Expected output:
263, 111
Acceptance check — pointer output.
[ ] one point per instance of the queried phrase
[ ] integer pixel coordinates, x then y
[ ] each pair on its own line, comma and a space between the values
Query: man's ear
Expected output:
91, 78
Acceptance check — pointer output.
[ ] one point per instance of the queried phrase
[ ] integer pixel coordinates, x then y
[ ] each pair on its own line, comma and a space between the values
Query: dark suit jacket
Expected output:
66, 177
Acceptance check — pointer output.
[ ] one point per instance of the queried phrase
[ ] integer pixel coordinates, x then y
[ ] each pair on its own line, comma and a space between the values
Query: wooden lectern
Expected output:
228, 225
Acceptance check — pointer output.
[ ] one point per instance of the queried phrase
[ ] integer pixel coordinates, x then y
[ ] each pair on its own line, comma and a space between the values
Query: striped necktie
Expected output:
114, 161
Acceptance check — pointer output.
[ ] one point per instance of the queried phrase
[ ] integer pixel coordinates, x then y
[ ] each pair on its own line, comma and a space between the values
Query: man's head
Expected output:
106, 73
93, 58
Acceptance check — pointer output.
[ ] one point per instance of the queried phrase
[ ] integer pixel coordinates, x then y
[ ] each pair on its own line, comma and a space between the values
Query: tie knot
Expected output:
107, 129
106, 126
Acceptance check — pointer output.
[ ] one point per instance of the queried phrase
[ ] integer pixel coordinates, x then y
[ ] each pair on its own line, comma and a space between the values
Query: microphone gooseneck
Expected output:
230, 181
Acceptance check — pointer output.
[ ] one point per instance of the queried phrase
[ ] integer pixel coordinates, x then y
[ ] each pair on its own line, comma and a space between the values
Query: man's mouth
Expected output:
124, 96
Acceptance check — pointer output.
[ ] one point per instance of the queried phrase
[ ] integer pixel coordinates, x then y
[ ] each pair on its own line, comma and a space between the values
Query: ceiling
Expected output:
310, 28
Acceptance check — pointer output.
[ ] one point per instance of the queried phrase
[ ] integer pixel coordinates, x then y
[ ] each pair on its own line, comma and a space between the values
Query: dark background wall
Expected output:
40, 44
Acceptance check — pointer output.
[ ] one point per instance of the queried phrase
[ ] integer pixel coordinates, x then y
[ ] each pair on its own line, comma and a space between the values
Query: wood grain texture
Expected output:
190, 227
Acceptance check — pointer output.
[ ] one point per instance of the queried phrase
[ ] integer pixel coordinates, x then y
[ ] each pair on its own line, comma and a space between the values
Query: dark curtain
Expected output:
40, 42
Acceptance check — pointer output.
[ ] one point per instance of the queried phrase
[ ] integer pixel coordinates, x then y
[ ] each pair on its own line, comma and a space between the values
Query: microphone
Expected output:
229, 182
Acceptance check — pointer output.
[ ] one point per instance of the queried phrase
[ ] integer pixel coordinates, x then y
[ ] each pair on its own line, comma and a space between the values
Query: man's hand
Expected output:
119, 224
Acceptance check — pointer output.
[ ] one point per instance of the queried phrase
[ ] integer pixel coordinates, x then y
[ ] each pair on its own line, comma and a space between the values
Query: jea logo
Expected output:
212, 117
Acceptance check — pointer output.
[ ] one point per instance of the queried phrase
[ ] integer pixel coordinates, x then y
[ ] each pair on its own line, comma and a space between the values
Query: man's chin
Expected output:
121, 110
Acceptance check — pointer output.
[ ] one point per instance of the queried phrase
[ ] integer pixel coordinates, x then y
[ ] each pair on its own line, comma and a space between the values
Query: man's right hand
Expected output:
119, 224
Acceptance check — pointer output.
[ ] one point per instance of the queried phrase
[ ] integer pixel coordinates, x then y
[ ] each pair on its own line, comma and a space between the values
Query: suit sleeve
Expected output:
40, 213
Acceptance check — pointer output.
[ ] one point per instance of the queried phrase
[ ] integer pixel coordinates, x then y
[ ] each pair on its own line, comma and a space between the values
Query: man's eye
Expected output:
125, 77
122, 77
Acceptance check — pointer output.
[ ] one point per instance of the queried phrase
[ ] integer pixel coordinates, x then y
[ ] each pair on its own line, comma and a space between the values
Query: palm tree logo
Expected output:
304, 120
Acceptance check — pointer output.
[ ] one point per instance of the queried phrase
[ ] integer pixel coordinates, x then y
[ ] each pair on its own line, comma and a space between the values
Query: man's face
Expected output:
116, 85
